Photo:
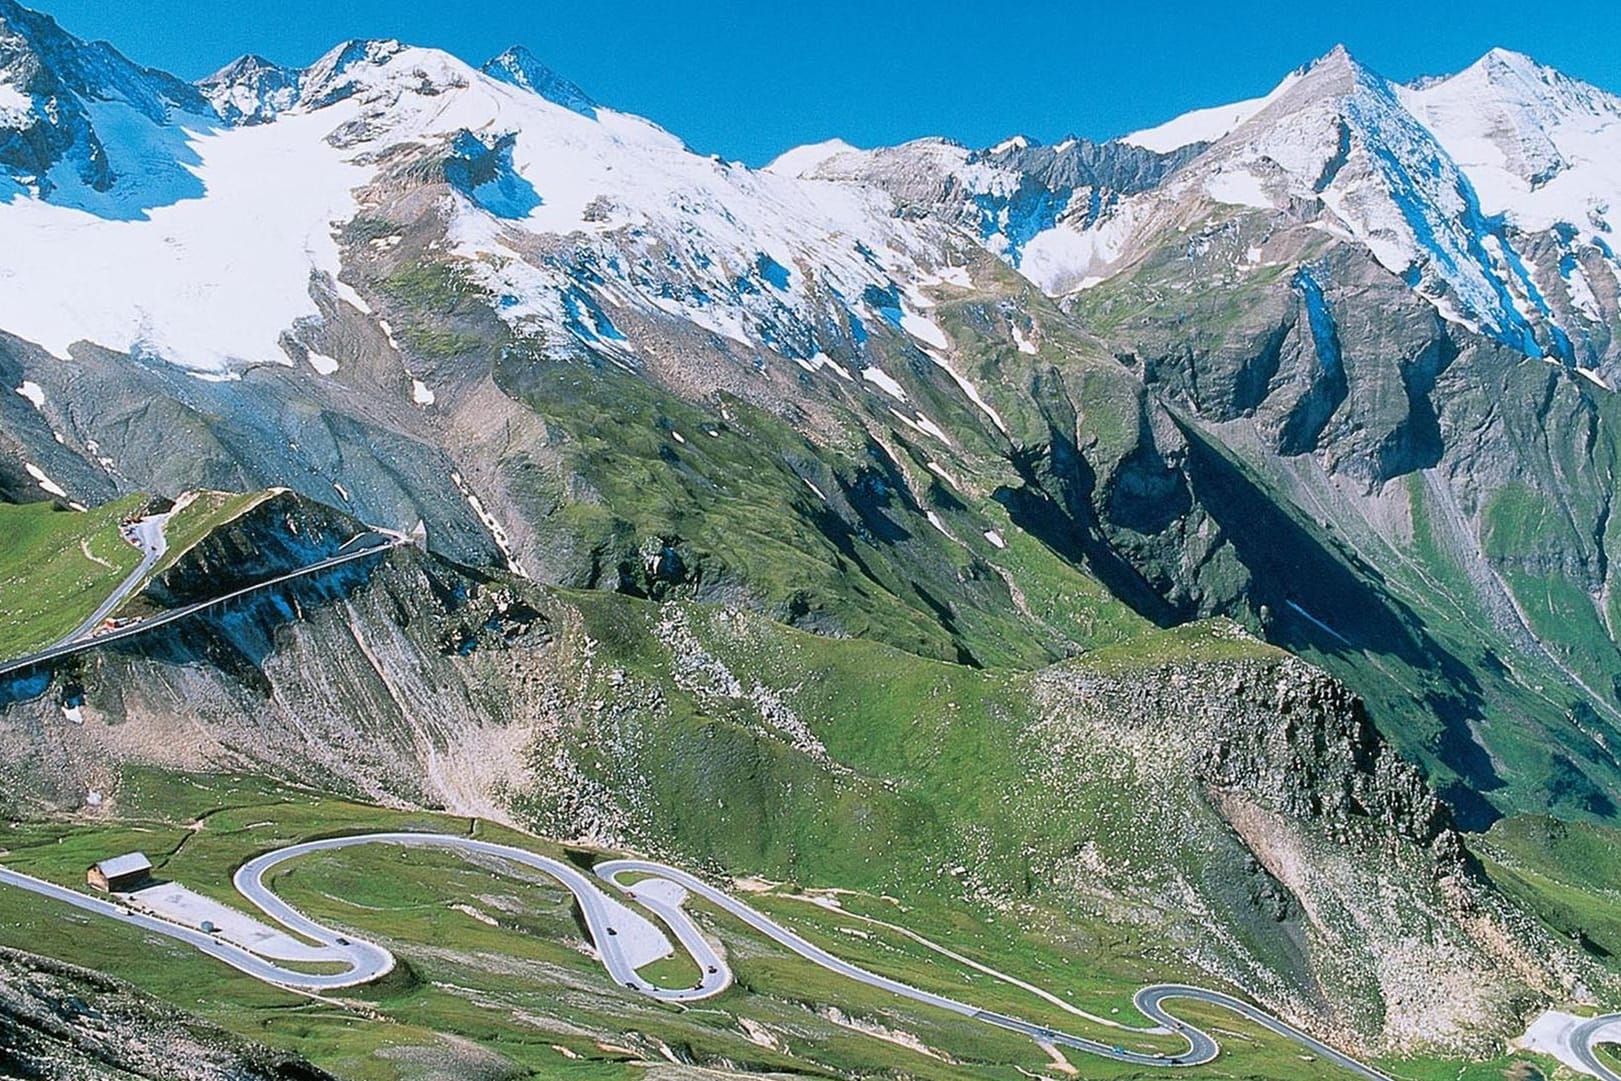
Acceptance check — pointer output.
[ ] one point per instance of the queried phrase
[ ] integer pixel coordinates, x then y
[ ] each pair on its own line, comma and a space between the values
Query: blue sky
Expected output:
749, 80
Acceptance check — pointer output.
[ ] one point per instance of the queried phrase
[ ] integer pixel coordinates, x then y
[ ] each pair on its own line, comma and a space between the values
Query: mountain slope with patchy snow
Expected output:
764, 260
1487, 191
941, 396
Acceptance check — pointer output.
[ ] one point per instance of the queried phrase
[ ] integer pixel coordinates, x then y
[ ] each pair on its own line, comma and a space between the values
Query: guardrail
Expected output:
380, 542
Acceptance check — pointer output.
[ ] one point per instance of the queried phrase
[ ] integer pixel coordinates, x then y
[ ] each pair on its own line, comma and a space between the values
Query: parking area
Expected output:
174, 902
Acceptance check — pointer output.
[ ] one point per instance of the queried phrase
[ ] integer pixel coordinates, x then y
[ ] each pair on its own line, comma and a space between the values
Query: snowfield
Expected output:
209, 272
187, 285
218, 205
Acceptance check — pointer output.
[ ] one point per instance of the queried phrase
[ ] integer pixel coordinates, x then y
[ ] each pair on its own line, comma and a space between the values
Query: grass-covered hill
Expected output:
1191, 804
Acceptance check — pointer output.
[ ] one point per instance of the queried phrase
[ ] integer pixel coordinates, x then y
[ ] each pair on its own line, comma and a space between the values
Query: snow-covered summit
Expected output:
251, 90
565, 210
80, 124
804, 161
1204, 125
1537, 145
1339, 133
38, 57
520, 67
1443, 182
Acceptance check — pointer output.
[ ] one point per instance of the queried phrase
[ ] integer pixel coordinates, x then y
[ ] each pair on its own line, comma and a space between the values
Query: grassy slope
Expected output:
736, 491
1569, 873
48, 583
523, 989
930, 742
939, 775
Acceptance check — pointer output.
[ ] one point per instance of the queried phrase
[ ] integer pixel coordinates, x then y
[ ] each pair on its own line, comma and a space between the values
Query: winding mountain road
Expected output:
613, 924
1202, 1048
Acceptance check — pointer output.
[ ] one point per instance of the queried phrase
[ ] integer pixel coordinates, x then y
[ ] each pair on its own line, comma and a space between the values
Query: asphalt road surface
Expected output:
1202, 1048
1586, 1037
366, 544
601, 912
150, 540
661, 890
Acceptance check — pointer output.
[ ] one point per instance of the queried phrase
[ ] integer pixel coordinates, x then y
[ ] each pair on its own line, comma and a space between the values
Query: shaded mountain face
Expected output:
1334, 362
82, 127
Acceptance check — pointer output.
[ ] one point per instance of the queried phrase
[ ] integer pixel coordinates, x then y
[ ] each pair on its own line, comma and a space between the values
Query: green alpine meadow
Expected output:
490, 591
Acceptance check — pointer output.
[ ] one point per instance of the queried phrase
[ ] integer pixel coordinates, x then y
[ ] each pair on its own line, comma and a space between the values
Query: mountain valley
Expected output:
1029, 572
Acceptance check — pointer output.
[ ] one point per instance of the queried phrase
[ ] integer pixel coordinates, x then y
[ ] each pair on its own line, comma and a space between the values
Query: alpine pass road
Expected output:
613, 925
147, 535
1585, 1039
1202, 1048
365, 544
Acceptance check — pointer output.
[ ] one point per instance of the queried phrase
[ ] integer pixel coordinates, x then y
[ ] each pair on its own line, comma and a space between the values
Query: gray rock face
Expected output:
251, 90
59, 1022
1313, 818
63, 78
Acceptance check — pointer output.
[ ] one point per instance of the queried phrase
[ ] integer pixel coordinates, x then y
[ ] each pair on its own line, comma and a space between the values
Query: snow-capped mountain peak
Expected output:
1343, 136
1205, 125
568, 212
520, 67
804, 161
83, 126
251, 90
369, 67
39, 58
1539, 146
254, 90
1437, 181
573, 214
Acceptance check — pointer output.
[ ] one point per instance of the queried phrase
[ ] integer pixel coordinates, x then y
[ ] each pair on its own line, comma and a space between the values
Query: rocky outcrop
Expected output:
1266, 802
59, 1022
